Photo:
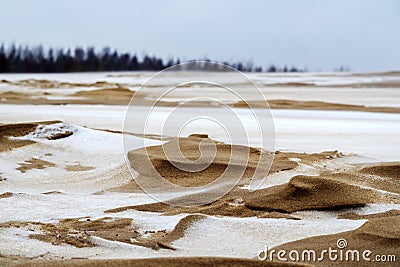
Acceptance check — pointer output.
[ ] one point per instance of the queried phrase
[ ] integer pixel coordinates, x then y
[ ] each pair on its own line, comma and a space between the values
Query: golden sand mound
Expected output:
147, 161
308, 193
391, 170
199, 152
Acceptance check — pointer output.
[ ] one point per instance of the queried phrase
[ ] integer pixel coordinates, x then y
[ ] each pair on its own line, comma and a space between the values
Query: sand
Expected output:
8, 131
390, 169
6, 194
109, 93
335, 191
191, 148
328, 191
122, 96
13, 130
34, 163
78, 168
311, 193
226, 206
302, 193
369, 84
52, 84
380, 235
106, 96
313, 105
355, 216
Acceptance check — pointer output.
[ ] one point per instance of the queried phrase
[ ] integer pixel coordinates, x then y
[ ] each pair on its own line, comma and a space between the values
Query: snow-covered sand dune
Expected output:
75, 168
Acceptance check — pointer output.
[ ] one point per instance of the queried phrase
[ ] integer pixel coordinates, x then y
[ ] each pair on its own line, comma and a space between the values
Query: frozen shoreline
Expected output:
370, 135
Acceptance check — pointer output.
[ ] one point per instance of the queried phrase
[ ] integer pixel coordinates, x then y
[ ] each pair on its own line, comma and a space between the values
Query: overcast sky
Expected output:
322, 35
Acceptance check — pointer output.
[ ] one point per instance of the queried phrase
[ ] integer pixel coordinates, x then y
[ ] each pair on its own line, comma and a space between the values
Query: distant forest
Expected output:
18, 59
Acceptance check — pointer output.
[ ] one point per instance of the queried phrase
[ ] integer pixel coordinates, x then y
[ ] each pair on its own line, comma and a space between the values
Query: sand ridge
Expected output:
197, 153
328, 191
310, 192
355, 216
389, 169
312, 105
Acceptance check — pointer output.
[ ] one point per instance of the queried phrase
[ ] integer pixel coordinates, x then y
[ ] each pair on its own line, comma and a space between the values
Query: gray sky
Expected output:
322, 35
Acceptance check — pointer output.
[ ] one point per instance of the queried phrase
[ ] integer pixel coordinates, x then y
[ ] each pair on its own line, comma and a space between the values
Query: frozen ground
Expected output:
370, 89
370, 136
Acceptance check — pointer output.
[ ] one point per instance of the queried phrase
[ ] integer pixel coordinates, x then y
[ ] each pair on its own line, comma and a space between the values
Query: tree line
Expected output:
18, 59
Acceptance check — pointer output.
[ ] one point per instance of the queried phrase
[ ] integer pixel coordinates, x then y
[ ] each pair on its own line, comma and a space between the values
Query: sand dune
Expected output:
198, 152
213, 166
336, 191
390, 169
307, 192
328, 191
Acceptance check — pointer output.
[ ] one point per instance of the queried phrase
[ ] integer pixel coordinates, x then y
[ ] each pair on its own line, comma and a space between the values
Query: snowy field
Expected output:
59, 191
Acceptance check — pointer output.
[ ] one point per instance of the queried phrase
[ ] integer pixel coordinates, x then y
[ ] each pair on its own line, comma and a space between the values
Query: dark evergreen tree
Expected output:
37, 59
